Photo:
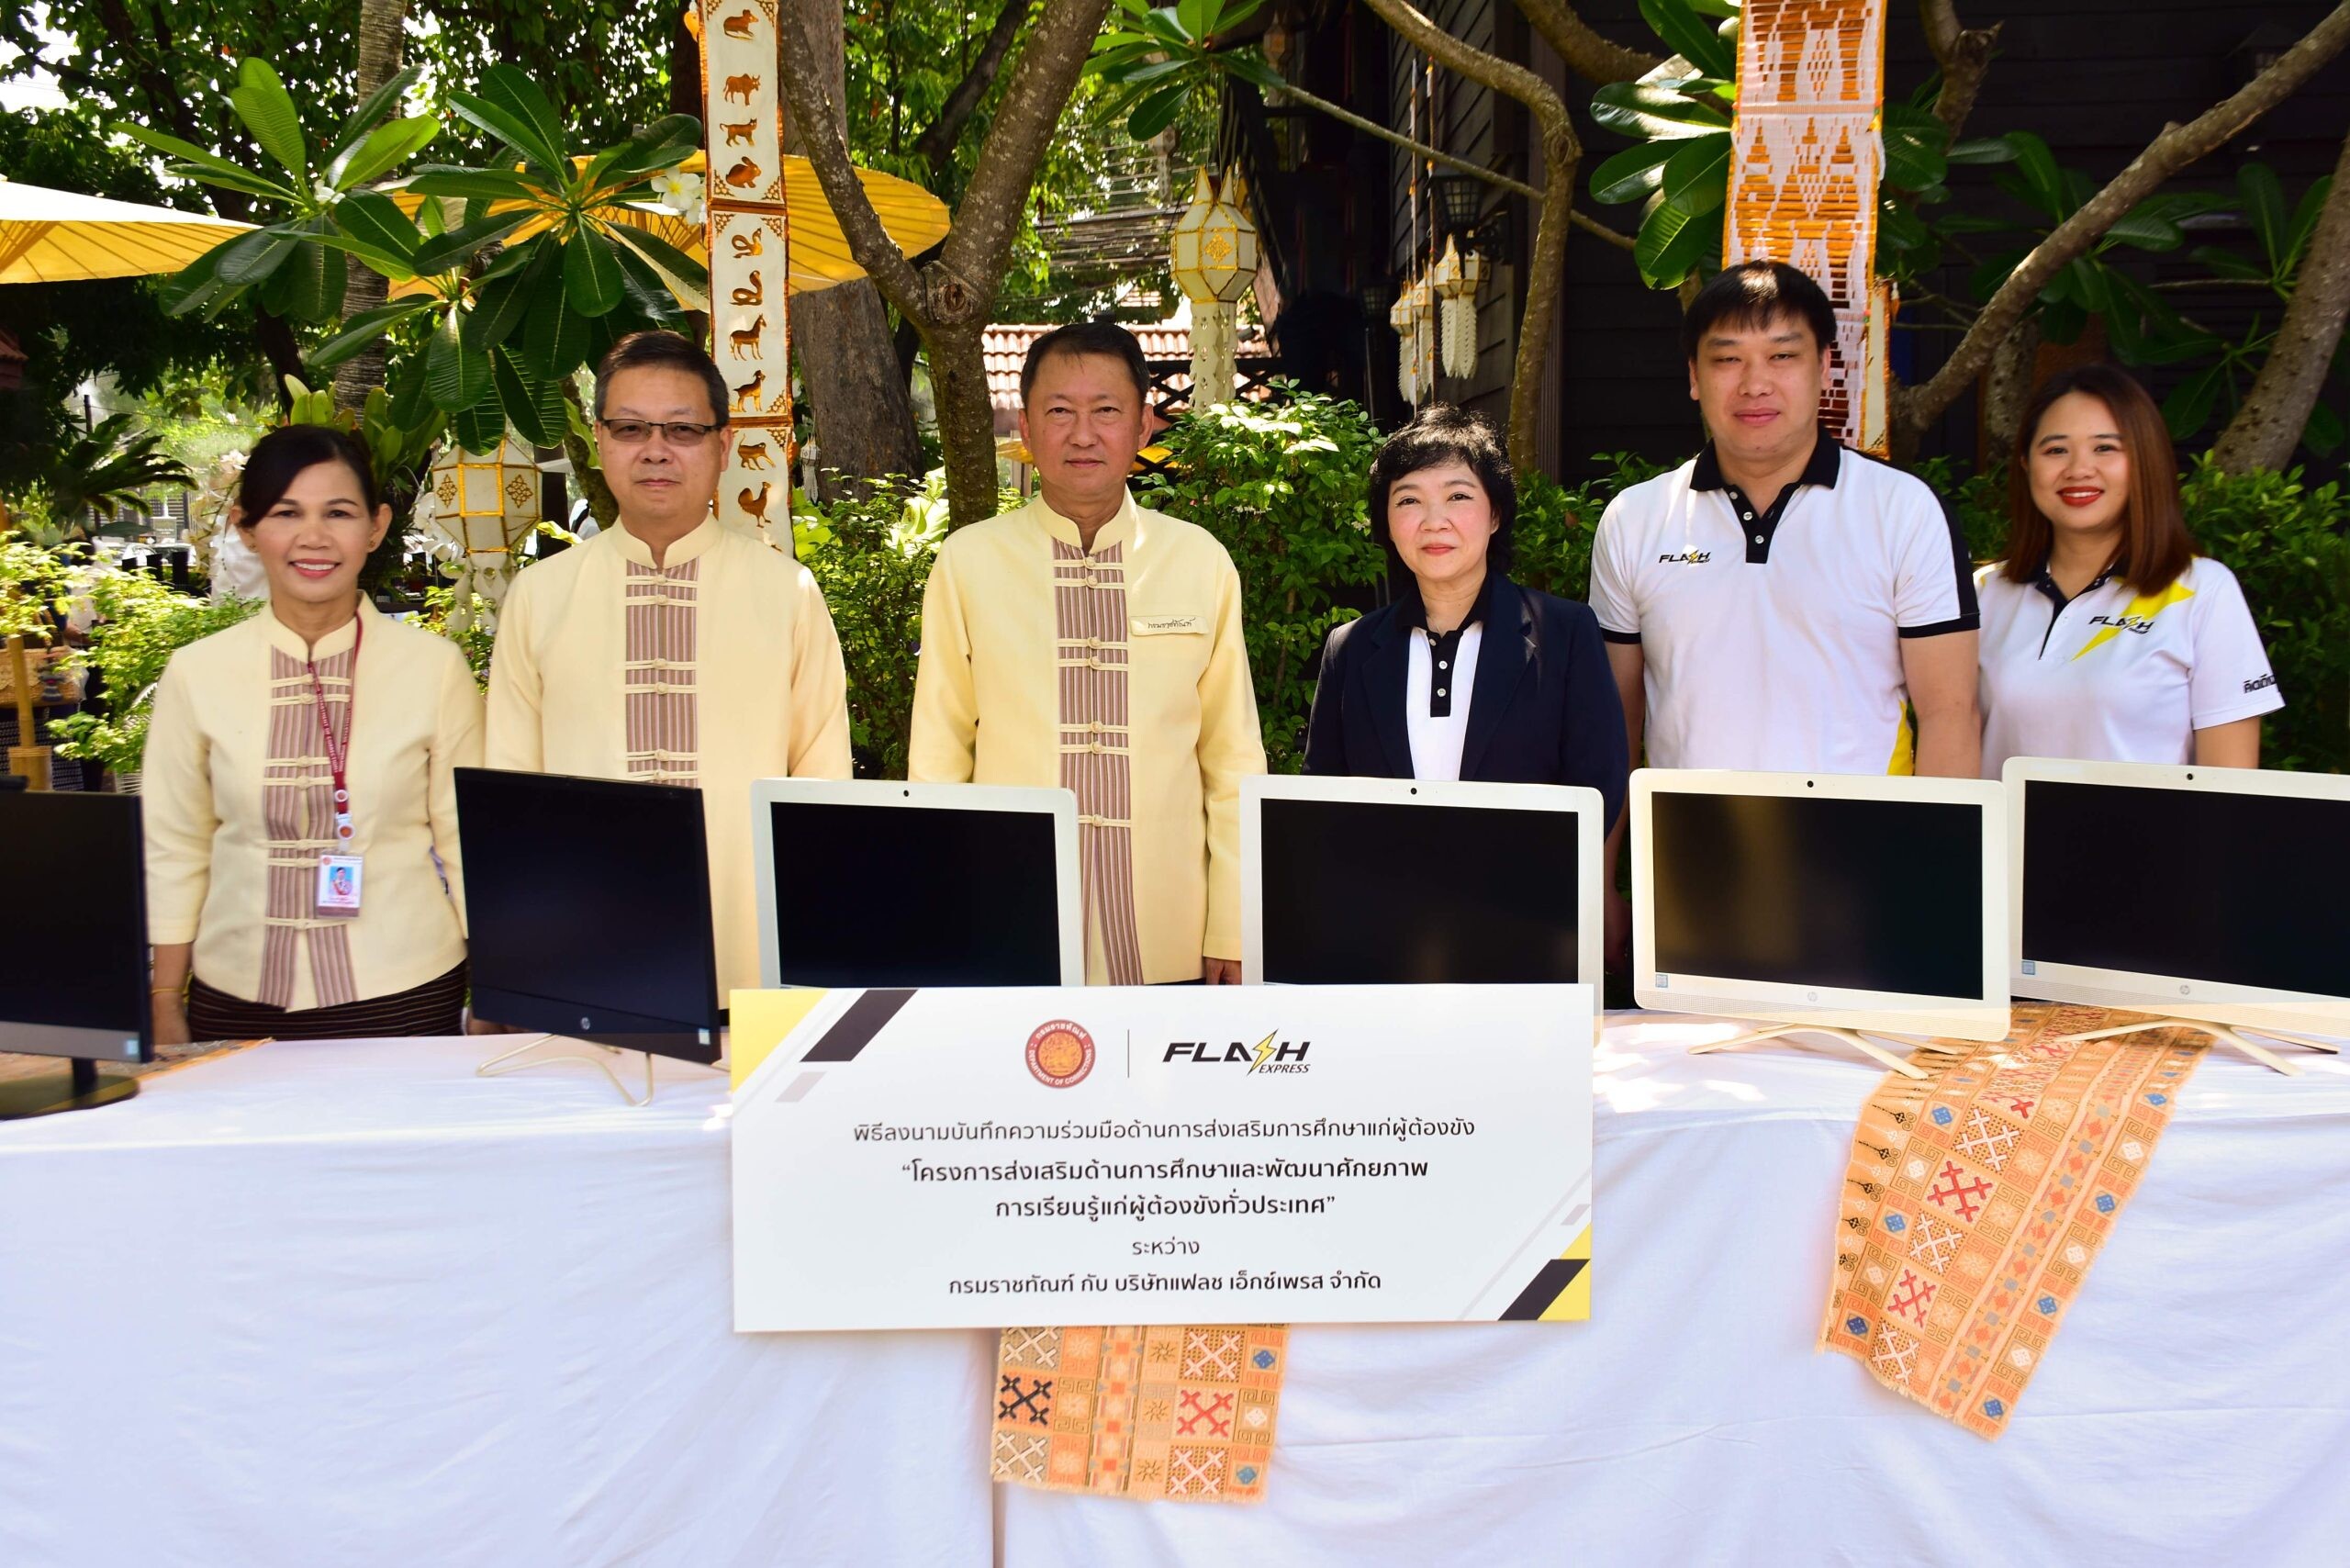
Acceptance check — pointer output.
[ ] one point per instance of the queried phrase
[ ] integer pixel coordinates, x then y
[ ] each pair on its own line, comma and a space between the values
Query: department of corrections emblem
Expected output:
1060, 1053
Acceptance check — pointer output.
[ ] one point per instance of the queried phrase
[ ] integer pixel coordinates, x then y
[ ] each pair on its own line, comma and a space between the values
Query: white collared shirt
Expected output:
1437, 738
2112, 675
1771, 631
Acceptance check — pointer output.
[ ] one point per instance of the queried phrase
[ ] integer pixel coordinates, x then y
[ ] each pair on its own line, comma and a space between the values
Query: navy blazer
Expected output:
1542, 710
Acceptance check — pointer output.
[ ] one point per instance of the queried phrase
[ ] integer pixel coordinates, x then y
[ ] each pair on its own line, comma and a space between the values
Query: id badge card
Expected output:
339, 883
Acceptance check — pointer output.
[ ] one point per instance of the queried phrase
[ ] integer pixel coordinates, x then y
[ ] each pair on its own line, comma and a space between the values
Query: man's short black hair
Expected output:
1104, 338
1440, 434
665, 351
1752, 294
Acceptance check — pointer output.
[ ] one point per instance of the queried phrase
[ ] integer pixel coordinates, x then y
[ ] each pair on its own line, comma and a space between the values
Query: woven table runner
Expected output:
1184, 1412
1978, 1196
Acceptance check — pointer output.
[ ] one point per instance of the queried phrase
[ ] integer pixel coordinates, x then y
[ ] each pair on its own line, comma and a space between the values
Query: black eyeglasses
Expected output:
677, 432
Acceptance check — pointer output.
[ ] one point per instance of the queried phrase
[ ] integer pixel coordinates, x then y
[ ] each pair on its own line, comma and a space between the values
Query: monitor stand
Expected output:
1851, 1038
503, 1063
2223, 1035
76, 1089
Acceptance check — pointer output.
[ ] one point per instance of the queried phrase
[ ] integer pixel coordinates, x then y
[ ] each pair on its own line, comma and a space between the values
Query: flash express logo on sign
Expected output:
1265, 1056
1060, 1053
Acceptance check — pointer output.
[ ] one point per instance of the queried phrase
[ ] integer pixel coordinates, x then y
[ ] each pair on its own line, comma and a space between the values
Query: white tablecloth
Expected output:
347, 1305
328, 1306
2194, 1409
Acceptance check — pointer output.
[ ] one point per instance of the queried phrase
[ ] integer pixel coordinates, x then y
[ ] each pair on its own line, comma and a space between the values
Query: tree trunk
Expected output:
959, 378
1964, 54
2007, 388
1594, 59
602, 505
951, 298
2274, 413
864, 416
1562, 151
380, 26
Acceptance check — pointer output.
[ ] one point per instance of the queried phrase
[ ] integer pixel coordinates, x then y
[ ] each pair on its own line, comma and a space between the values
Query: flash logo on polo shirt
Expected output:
1686, 558
2137, 617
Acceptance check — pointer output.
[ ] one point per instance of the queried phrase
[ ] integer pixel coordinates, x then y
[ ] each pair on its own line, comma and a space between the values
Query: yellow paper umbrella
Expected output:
819, 255
50, 236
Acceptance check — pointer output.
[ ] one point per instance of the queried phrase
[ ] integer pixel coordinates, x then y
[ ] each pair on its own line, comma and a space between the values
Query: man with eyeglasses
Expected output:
1084, 642
672, 649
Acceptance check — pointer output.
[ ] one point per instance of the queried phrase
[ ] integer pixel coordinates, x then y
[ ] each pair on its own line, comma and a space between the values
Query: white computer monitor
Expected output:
1379, 881
1822, 901
2206, 894
876, 882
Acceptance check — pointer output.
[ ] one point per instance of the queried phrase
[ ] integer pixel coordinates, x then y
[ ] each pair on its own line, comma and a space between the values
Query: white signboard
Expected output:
968, 1159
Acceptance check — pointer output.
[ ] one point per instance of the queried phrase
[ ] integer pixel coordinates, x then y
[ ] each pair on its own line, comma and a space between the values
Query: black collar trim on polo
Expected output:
1444, 650
1758, 525
2057, 600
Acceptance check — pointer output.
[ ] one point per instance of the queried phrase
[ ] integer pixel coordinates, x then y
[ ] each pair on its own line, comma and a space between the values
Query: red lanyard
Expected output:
338, 750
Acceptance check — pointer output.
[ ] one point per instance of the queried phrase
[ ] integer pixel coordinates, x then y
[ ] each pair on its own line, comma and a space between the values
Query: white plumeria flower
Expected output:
324, 194
680, 192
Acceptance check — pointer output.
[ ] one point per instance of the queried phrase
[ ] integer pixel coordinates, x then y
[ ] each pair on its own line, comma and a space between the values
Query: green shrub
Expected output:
1980, 501
141, 624
1556, 524
1284, 488
871, 556
2285, 544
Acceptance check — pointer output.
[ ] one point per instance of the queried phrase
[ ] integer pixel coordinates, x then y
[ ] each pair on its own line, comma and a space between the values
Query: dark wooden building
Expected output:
1344, 215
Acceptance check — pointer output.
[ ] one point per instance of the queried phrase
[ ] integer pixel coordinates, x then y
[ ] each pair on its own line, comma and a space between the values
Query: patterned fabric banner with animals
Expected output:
749, 236
1184, 1413
1978, 1196
1803, 180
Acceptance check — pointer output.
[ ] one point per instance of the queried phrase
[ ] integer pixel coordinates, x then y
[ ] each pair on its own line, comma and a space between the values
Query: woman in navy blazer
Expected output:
1540, 705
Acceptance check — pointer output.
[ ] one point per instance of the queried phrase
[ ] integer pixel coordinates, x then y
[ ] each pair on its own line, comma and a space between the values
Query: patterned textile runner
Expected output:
1182, 1412
1806, 158
657, 673
1978, 1196
297, 808
1090, 614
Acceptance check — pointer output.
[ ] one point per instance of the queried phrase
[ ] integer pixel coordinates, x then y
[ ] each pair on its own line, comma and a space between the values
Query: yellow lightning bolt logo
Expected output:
1264, 1051
2145, 607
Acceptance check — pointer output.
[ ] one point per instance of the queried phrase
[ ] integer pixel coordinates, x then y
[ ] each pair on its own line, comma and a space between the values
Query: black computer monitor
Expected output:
73, 974
2238, 918
1822, 900
876, 883
1388, 881
587, 910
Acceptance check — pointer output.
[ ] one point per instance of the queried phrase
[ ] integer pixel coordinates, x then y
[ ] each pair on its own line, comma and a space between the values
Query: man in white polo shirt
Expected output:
1780, 603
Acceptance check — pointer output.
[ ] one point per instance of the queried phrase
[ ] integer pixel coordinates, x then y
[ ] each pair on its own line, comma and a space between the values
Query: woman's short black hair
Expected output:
1755, 294
281, 458
1440, 434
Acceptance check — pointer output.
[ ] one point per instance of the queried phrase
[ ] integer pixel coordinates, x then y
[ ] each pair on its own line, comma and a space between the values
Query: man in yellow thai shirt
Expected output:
1084, 642
673, 649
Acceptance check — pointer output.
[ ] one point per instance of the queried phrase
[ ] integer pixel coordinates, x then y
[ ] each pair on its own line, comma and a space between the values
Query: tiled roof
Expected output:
1005, 347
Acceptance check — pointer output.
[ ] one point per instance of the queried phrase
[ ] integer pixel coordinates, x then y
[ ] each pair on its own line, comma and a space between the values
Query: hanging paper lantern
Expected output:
483, 504
1457, 304
1213, 257
1408, 357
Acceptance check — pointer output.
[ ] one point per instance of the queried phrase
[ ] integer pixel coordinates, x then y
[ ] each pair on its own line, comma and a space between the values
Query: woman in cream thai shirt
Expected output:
303, 876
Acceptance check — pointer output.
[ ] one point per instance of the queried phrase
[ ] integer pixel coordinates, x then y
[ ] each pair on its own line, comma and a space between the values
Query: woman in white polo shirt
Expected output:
2105, 635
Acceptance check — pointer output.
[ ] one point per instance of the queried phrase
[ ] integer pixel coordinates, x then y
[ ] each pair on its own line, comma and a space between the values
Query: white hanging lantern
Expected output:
484, 504
1414, 318
1213, 257
1457, 334
1399, 317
